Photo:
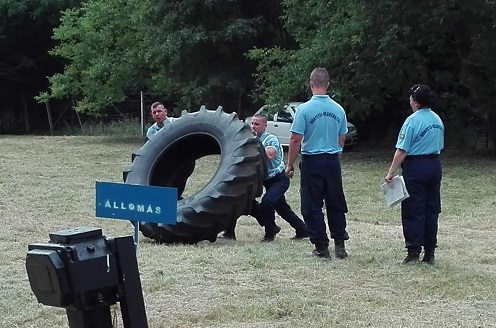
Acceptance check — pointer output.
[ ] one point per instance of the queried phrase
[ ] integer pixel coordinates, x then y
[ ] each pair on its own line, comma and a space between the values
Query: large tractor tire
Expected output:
228, 194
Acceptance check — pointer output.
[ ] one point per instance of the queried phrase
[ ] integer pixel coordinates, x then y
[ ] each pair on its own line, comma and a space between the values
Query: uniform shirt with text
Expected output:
422, 133
321, 121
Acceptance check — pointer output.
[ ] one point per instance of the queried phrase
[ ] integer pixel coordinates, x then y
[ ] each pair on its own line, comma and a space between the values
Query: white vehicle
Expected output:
280, 123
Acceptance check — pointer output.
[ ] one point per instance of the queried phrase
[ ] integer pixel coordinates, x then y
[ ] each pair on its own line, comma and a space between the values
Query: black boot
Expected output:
339, 249
229, 232
270, 233
412, 256
321, 250
428, 256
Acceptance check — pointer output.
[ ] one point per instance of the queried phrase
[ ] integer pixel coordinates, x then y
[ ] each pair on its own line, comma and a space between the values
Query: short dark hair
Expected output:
320, 77
156, 104
422, 94
260, 115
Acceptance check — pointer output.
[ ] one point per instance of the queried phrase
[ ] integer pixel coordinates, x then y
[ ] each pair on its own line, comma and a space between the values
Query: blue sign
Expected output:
136, 202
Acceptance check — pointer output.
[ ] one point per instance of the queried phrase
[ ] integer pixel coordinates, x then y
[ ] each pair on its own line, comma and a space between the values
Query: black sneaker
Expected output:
300, 236
411, 257
321, 250
324, 253
428, 256
339, 249
269, 237
429, 259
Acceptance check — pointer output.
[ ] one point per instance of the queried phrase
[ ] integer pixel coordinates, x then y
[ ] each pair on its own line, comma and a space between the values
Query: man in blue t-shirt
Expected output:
276, 184
319, 129
159, 114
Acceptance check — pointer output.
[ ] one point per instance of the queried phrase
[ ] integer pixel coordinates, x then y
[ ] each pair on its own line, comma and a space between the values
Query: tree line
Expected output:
242, 54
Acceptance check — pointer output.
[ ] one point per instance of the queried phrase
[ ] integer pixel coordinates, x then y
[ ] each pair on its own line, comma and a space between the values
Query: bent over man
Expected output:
276, 184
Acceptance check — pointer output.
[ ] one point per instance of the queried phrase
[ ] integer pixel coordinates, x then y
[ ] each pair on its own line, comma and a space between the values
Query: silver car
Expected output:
280, 123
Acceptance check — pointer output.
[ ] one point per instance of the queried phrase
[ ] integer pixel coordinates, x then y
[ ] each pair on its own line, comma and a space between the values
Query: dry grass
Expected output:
47, 184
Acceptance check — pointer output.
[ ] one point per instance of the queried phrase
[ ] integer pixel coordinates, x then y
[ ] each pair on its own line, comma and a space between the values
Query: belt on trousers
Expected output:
414, 157
325, 155
283, 171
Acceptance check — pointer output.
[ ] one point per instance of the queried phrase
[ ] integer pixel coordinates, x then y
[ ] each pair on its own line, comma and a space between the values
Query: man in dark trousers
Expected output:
319, 128
276, 184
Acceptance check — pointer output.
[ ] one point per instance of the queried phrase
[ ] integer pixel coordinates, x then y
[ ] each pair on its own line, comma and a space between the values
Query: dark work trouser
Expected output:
274, 201
420, 212
321, 181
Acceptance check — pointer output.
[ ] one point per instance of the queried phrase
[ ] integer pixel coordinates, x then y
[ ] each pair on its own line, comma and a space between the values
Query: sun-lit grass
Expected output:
47, 184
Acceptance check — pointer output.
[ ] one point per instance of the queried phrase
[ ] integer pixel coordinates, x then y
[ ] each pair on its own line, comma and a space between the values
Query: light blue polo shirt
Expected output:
276, 165
321, 121
422, 133
155, 128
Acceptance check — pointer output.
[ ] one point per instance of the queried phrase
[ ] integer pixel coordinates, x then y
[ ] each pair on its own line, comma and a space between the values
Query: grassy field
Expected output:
48, 184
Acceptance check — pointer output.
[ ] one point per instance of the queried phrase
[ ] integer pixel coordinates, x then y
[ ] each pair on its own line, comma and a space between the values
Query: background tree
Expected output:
375, 50
191, 51
25, 38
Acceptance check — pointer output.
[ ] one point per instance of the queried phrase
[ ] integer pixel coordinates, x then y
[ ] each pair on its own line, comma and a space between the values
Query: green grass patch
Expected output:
47, 184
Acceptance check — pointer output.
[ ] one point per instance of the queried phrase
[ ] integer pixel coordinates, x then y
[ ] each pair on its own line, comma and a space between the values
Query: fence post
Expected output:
142, 115
49, 114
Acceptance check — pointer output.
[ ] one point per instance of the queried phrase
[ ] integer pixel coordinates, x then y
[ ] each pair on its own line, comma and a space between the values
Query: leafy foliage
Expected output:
231, 52
326, 34
96, 40
25, 30
375, 50
192, 51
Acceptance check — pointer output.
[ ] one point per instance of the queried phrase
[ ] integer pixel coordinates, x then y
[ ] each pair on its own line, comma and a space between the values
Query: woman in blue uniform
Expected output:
419, 144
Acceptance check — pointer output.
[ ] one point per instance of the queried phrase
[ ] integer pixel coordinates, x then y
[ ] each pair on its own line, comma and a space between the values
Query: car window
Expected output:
284, 116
